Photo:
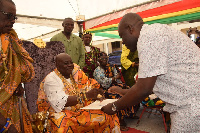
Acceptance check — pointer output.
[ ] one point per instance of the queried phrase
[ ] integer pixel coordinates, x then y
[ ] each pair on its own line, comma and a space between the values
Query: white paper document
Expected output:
98, 105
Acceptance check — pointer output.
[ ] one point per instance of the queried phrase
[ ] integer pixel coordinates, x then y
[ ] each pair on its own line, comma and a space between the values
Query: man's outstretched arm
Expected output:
137, 93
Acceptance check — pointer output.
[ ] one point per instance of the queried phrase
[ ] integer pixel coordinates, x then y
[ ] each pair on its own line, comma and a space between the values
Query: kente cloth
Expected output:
72, 119
129, 72
19, 68
44, 60
91, 61
153, 102
104, 78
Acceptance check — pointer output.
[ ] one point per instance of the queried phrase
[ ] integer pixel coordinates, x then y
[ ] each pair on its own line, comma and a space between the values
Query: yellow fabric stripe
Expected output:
112, 32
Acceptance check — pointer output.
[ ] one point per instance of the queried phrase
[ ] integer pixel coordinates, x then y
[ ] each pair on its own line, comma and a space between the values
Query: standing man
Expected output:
73, 44
15, 68
169, 66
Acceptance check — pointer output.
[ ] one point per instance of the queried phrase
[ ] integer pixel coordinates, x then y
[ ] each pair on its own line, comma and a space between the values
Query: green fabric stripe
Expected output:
4, 95
108, 29
176, 19
15, 113
107, 35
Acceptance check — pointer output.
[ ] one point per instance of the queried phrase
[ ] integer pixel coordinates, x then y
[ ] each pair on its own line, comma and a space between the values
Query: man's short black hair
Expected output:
5, 0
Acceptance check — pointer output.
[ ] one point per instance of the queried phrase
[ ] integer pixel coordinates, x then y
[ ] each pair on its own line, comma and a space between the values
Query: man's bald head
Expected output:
129, 30
2, 1
64, 64
60, 57
131, 19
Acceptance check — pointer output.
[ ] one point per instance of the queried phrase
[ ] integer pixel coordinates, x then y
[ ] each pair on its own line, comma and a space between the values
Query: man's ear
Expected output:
131, 28
62, 24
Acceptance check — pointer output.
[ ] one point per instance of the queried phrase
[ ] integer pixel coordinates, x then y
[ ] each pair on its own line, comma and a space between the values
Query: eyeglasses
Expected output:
10, 16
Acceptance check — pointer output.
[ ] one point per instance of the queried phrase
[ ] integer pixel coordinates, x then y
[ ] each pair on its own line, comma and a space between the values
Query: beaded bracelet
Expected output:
7, 125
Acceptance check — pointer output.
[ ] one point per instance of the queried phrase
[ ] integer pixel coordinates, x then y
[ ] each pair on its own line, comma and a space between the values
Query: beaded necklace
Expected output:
87, 53
72, 88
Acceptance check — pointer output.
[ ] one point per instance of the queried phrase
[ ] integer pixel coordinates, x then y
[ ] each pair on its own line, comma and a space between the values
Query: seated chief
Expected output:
63, 92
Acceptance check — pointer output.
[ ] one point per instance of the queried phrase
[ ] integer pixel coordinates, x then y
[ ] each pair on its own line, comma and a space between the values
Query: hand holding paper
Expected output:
98, 105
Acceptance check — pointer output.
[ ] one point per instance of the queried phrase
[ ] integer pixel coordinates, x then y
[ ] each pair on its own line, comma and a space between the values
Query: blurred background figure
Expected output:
73, 44
130, 63
91, 55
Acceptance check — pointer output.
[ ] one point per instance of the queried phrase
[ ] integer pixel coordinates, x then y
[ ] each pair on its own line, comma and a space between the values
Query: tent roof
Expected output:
102, 16
62, 9
72, 8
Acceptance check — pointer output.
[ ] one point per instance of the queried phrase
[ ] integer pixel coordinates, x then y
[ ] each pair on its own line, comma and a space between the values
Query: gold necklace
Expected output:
73, 91
73, 86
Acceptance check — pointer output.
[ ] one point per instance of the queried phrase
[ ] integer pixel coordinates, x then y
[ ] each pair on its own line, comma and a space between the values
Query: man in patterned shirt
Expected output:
169, 66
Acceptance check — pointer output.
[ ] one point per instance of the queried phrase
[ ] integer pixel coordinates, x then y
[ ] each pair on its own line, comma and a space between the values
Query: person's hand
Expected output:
115, 90
108, 109
93, 93
135, 64
19, 91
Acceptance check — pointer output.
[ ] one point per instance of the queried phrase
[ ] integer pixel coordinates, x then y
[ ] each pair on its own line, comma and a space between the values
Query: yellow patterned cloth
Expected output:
75, 120
15, 68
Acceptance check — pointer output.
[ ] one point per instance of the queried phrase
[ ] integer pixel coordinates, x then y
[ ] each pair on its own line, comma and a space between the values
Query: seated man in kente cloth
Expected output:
63, 92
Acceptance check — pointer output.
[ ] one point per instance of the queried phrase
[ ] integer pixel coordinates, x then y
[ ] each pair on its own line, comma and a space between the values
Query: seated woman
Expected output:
63, 92
108, 76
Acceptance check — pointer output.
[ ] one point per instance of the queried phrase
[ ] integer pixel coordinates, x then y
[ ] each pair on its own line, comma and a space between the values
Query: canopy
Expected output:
61, 9
101, 17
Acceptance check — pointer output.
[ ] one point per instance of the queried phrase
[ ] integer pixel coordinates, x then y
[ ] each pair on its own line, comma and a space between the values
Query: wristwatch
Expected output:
114, 108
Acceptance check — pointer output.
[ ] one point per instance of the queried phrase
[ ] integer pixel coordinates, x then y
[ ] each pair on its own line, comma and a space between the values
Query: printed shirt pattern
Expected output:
171, 56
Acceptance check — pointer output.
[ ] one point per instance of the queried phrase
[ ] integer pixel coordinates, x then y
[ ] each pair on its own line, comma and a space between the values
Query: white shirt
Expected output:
87, 48
171, 56
53, 88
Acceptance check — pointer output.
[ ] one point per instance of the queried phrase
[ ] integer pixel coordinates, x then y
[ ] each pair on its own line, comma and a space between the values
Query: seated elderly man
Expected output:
63, 92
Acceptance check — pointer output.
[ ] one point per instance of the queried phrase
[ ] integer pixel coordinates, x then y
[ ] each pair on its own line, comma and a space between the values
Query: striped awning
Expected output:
183, 10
